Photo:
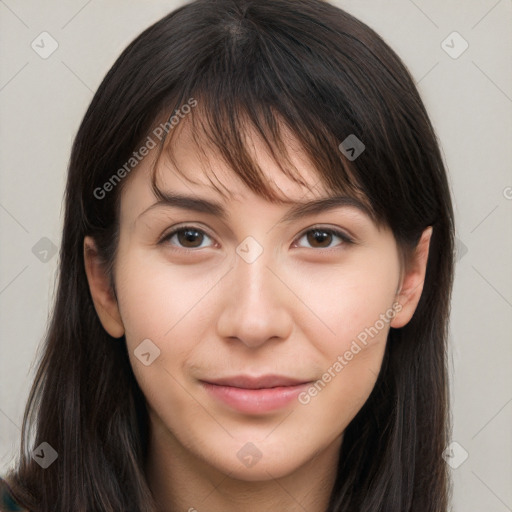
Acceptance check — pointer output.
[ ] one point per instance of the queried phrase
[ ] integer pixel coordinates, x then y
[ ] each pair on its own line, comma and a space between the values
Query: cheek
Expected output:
154, 305
355, 307
166, 304
353, 302
351, 363
157, 298
340, 393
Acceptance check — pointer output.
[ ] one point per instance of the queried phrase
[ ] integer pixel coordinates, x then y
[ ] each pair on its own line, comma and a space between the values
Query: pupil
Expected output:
187, 235
318, 236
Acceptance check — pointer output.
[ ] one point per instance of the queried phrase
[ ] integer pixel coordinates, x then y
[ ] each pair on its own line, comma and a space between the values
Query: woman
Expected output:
295, 357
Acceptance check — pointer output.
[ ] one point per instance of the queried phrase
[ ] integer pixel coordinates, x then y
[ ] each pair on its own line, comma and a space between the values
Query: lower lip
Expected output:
255, 401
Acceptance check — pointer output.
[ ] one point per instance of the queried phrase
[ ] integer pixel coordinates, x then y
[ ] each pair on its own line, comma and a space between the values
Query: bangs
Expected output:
224, 128
249, 76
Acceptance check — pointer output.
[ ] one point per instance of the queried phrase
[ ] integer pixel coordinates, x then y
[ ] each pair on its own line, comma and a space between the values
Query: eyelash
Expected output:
340, 234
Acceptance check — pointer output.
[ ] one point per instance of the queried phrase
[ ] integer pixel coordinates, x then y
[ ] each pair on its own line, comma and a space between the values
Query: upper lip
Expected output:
250, 382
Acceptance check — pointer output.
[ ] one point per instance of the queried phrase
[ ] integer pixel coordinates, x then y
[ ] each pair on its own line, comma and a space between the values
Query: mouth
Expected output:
255, 395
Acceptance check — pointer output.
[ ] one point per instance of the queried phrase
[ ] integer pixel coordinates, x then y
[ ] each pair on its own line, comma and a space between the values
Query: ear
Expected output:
411, 287
102, 294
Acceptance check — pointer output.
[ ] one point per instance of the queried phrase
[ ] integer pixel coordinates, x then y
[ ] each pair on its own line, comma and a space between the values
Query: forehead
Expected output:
203, 163
190, 164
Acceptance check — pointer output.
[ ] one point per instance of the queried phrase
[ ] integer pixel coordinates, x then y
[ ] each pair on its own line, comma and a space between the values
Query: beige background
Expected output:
469, 99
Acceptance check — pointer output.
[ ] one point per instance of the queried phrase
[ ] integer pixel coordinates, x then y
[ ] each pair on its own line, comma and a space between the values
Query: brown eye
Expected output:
186, 237
319, 238
189, 237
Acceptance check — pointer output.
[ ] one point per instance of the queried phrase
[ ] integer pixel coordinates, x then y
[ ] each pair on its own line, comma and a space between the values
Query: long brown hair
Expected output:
326, 75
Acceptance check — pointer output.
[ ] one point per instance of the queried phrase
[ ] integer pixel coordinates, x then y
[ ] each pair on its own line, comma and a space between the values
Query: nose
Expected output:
256, 304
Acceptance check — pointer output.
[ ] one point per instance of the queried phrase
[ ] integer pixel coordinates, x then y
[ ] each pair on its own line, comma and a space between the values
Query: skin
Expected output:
292, 312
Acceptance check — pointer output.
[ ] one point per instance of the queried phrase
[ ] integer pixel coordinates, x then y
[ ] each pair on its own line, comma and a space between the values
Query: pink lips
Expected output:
254, 395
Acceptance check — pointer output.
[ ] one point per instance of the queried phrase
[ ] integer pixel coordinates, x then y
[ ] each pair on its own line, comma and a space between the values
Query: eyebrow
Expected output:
297, 211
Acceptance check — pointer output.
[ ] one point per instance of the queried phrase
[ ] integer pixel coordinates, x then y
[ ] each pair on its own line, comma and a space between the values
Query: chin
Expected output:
260, 472
257, 461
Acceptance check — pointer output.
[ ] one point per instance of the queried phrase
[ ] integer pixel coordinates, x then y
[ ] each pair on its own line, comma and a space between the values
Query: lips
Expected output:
255, 395
265, 381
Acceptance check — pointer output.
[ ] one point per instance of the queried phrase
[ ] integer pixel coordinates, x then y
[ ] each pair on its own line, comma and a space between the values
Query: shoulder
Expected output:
7, 501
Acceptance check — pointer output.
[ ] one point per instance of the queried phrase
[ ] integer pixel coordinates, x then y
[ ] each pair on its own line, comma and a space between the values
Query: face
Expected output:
255, 338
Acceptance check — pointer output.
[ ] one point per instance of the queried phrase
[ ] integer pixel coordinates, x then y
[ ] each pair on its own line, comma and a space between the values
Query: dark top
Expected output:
7, 501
